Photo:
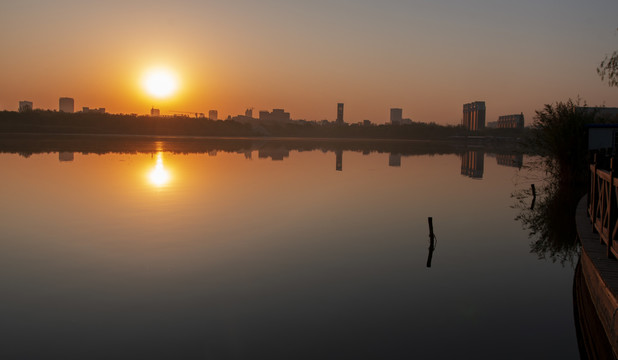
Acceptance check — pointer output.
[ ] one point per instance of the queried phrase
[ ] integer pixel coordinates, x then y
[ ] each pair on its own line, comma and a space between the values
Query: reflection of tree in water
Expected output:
550, 220
559, 136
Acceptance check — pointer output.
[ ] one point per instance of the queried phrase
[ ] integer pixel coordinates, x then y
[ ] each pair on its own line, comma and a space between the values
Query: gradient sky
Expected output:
427, 57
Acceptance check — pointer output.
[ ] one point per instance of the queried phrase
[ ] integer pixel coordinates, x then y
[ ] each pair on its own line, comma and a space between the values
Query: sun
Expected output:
160, 82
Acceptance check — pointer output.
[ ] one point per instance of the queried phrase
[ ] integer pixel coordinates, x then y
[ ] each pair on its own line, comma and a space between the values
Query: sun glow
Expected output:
160, 82
159, 176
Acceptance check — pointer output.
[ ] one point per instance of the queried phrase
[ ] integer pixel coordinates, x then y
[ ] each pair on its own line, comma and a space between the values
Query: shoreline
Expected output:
102, 143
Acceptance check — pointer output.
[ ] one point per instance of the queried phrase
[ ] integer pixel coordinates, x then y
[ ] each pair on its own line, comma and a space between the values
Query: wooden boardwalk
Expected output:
600, 273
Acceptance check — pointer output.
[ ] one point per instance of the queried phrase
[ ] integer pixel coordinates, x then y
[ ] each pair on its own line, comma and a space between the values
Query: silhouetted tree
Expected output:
608, 69
560, 136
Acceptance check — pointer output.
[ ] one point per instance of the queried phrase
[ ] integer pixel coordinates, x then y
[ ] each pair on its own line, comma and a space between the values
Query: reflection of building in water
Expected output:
248, 154
472, 164
394, 159
515, 121
339, 114
66, 104
273, 153
339, 161
65, 156
512, 160
474, 116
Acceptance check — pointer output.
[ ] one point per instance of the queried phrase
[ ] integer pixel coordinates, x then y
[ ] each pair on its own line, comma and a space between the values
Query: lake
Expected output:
264, 250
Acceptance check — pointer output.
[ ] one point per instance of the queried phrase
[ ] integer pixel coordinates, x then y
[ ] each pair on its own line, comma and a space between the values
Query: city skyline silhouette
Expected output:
427, 58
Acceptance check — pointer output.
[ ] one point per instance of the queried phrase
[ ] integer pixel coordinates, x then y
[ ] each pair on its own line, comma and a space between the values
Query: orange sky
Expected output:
425, 57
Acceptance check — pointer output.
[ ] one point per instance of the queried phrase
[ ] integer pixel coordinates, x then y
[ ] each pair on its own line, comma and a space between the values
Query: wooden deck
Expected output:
600, 273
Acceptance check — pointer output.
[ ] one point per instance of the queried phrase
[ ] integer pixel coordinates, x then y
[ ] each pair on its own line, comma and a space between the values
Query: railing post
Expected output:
610, 207
592, 196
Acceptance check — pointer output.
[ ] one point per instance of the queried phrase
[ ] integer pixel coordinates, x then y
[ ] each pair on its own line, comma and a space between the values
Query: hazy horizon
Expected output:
426, 57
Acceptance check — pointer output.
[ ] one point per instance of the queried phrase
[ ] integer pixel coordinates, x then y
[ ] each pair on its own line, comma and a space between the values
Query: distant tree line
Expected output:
87, 123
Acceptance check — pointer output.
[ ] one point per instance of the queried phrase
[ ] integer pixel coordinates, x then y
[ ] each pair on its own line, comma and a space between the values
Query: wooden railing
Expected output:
603, 204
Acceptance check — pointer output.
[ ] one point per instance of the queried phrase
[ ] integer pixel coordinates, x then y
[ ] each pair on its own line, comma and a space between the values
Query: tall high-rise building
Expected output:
249, 112
474, 116
213, 114
339, 113
155, 112
396, 116
25, 106
66, 104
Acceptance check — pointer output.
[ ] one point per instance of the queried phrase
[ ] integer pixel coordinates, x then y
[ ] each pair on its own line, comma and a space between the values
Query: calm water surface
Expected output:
243, 256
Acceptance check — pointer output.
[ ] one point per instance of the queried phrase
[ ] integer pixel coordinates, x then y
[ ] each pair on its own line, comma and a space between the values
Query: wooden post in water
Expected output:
533, 196
432, 241
533, 191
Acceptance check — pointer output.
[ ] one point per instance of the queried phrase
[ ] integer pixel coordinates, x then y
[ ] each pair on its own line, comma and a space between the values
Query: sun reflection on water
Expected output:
159, 176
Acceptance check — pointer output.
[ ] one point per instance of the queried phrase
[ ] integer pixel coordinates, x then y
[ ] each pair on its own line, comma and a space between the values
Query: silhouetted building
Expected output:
491, 124
249, 113
65, 156
242, 119
155, 112
25, 106
602, 136
66, 104
607, 114
88, 110
366, 123
511, 160
339, 114
396, 116
339, 160
474, 116
213, 115
515, 121
473, 164
275, 115
394, 159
